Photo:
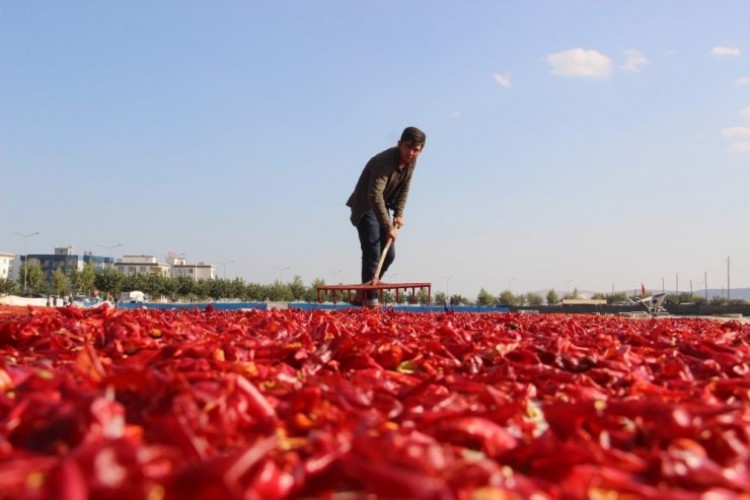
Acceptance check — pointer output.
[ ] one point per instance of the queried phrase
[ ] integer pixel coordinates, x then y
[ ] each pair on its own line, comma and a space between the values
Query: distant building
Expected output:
180, 268
66, 260
6, 266
130, 265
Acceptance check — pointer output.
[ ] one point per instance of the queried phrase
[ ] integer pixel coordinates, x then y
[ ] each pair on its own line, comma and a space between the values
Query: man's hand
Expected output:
398, 222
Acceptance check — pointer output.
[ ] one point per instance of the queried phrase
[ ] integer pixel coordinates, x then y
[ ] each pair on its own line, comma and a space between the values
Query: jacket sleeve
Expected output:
398, 210
378, 182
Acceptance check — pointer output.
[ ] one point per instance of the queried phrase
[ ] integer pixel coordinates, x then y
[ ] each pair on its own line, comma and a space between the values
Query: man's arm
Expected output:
400, 204
378, 181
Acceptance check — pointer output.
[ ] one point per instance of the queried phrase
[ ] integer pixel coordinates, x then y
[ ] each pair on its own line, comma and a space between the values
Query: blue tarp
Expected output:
222, 306
307, 306
401, 308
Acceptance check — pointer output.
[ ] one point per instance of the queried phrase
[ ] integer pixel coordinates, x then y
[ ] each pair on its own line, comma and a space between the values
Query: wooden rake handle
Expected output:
383, 253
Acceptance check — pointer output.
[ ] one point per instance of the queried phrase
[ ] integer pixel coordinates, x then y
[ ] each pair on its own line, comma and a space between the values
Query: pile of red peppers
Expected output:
161, 404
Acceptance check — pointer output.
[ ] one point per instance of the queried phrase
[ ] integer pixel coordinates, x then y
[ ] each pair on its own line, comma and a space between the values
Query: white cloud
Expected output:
746, 113
739, 147
580, 62
725, 51
634, 60
455, 115
736, 132
744, 81
503, 79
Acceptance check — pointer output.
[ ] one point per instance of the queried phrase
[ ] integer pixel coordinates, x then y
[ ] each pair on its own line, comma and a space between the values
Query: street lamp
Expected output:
225, 266
109, 249
281, 272
25, 237
447, 282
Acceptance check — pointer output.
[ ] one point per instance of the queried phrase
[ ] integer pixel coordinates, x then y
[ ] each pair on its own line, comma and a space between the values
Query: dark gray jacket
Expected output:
382, 187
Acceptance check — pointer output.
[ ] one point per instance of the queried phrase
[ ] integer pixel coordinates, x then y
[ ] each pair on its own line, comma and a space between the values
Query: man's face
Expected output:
409, 151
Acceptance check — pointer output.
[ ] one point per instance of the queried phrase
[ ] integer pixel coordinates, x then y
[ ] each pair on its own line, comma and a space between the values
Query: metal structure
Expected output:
348, 291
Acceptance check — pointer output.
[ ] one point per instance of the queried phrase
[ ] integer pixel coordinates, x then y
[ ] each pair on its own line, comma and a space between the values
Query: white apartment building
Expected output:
131, 265
180, 268
7, 267
176, 266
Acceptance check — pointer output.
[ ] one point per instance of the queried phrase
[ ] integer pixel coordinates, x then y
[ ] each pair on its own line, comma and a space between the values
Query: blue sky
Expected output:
570, 144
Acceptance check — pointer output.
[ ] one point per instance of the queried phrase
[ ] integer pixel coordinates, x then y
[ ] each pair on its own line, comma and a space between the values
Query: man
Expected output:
382, 187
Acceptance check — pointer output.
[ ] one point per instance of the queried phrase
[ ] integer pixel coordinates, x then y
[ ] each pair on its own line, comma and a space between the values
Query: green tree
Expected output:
438, 298
534, 299
216, 288
34, 276
716, 300
552, 297
236, 289
184, 287
572, 295
297, 288
9, 287
506, 298
202, 290
83, 280
256, 292
135, 282
278, 291
485, 298
617, 298
458, 300
109, 281
311, 292
423, 297
60, 282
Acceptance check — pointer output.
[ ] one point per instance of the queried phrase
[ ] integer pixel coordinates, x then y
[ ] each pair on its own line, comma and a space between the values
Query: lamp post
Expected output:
25, 237
281, 272
225, 266
109, 249
447, 282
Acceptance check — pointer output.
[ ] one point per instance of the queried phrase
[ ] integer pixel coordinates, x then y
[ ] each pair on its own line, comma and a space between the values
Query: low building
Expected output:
6, 266
179, 268
130, 265
68, 261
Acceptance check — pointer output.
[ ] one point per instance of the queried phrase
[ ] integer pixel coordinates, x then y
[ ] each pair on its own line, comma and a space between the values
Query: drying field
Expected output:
261, 404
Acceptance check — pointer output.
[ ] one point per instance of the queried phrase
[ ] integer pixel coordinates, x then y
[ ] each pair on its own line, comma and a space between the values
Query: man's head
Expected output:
411, 144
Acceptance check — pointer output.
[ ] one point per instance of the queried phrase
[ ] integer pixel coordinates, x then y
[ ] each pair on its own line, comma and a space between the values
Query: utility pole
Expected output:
705, 282
225, 267
727, 278
25, 254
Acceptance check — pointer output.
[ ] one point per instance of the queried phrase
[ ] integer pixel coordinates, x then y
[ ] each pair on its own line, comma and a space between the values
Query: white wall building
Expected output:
175, 267
199, 271
131, 265
180, 268
7, 267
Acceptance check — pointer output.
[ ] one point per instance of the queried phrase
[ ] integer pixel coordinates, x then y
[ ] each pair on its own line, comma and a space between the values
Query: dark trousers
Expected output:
372, 239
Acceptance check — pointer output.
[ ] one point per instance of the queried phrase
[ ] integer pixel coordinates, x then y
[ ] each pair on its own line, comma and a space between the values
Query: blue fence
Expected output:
401, 308
306, 306
222, 306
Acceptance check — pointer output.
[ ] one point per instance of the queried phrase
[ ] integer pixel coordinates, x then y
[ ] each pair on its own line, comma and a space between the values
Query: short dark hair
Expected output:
413, 135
